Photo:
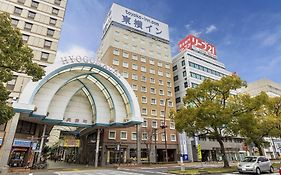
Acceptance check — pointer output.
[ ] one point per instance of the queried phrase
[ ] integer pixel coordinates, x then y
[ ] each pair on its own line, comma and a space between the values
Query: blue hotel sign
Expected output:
137, 21
22, 143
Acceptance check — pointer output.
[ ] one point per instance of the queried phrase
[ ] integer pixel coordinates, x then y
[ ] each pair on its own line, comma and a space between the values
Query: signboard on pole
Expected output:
199, 154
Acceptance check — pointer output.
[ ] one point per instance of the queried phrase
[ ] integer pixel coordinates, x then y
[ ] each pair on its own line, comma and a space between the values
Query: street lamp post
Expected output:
155, 144
164, 126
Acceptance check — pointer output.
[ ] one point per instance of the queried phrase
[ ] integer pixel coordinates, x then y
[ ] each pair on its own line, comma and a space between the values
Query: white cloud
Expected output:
211, 29
75, 51
195, 33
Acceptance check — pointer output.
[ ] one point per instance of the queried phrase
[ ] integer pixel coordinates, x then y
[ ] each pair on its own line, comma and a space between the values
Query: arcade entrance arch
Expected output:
79, 92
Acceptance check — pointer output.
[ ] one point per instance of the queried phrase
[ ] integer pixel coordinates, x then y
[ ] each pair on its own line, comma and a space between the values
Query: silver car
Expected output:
255, 164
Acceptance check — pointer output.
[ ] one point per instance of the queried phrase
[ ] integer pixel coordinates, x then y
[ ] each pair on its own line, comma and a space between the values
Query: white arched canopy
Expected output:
80, 92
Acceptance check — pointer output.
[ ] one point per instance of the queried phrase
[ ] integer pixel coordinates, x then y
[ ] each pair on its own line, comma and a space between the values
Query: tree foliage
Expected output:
208, 110
262, 122
15, 56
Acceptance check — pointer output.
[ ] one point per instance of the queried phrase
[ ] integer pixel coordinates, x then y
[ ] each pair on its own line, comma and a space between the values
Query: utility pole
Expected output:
155, 137
164, 126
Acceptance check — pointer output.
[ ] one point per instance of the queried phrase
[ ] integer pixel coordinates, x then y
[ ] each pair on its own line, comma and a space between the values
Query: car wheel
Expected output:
271, 169
258, 171
240, 172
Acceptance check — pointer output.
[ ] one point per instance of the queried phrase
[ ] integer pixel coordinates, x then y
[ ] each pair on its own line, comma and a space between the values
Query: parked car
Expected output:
255, 164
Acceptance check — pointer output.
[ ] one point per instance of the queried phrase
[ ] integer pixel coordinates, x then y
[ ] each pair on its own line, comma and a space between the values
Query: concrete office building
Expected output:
40, 23
272, 89
138, 47
197, 61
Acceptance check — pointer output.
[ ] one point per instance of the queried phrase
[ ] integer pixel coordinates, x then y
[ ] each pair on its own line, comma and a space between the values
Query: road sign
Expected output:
199, 154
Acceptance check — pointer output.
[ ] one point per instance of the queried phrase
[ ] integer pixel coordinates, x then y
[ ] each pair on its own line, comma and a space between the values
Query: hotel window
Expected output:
134, 57
184, 73
175, 67
28, 26
135, 87
123, 135
178, 100
160, 73
154, 124
50, 32
152, 80
55, 11
17, 10
177, 88
162, 113
152, 71
173, 137
152, 90
176, 78
153, 101
25, 38
14, 22
57, 2
143, 89
151, 62
153, 136
168, 83
169, 93
183, 63
53, 21
144, 111
34, 4
31, 14
125, 64
143, 78
44, 56
144, 136
125, 74
115, 61
142, 50
161, 92
160, 64
111, 135
115, 52
144, 123
143, 99
185, 84
143, 69
161, 82
135, 77
125, 55
126, 36
162, 123
170, 104
161, 102
47, 44
168, 75
167, 66
143, 59
163, 137
153, 112
135, 67
134, 136
172, 125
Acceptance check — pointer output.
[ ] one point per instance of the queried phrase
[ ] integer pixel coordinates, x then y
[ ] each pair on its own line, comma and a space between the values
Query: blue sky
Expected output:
247, 34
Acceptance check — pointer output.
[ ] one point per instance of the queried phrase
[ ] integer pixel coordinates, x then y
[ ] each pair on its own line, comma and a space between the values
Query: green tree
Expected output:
208, 110
262, 122
15, 56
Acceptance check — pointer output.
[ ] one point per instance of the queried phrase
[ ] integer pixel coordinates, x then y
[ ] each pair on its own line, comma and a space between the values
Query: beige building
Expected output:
40, 22
131, 46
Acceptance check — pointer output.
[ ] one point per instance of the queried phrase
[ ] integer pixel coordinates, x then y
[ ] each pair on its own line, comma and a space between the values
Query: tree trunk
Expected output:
259, 148
224, 158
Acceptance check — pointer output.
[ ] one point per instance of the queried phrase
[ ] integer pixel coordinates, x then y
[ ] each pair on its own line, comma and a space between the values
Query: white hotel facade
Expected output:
190, 67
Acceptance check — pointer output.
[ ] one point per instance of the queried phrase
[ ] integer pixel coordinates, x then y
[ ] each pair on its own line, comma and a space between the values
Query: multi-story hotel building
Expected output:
138, 47
40, 22
196, 62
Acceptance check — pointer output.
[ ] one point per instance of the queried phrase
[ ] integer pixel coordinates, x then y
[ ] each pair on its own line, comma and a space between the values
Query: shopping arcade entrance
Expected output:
80, 92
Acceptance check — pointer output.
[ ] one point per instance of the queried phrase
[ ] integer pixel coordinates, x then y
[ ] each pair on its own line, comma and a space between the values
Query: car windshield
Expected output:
249, 159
